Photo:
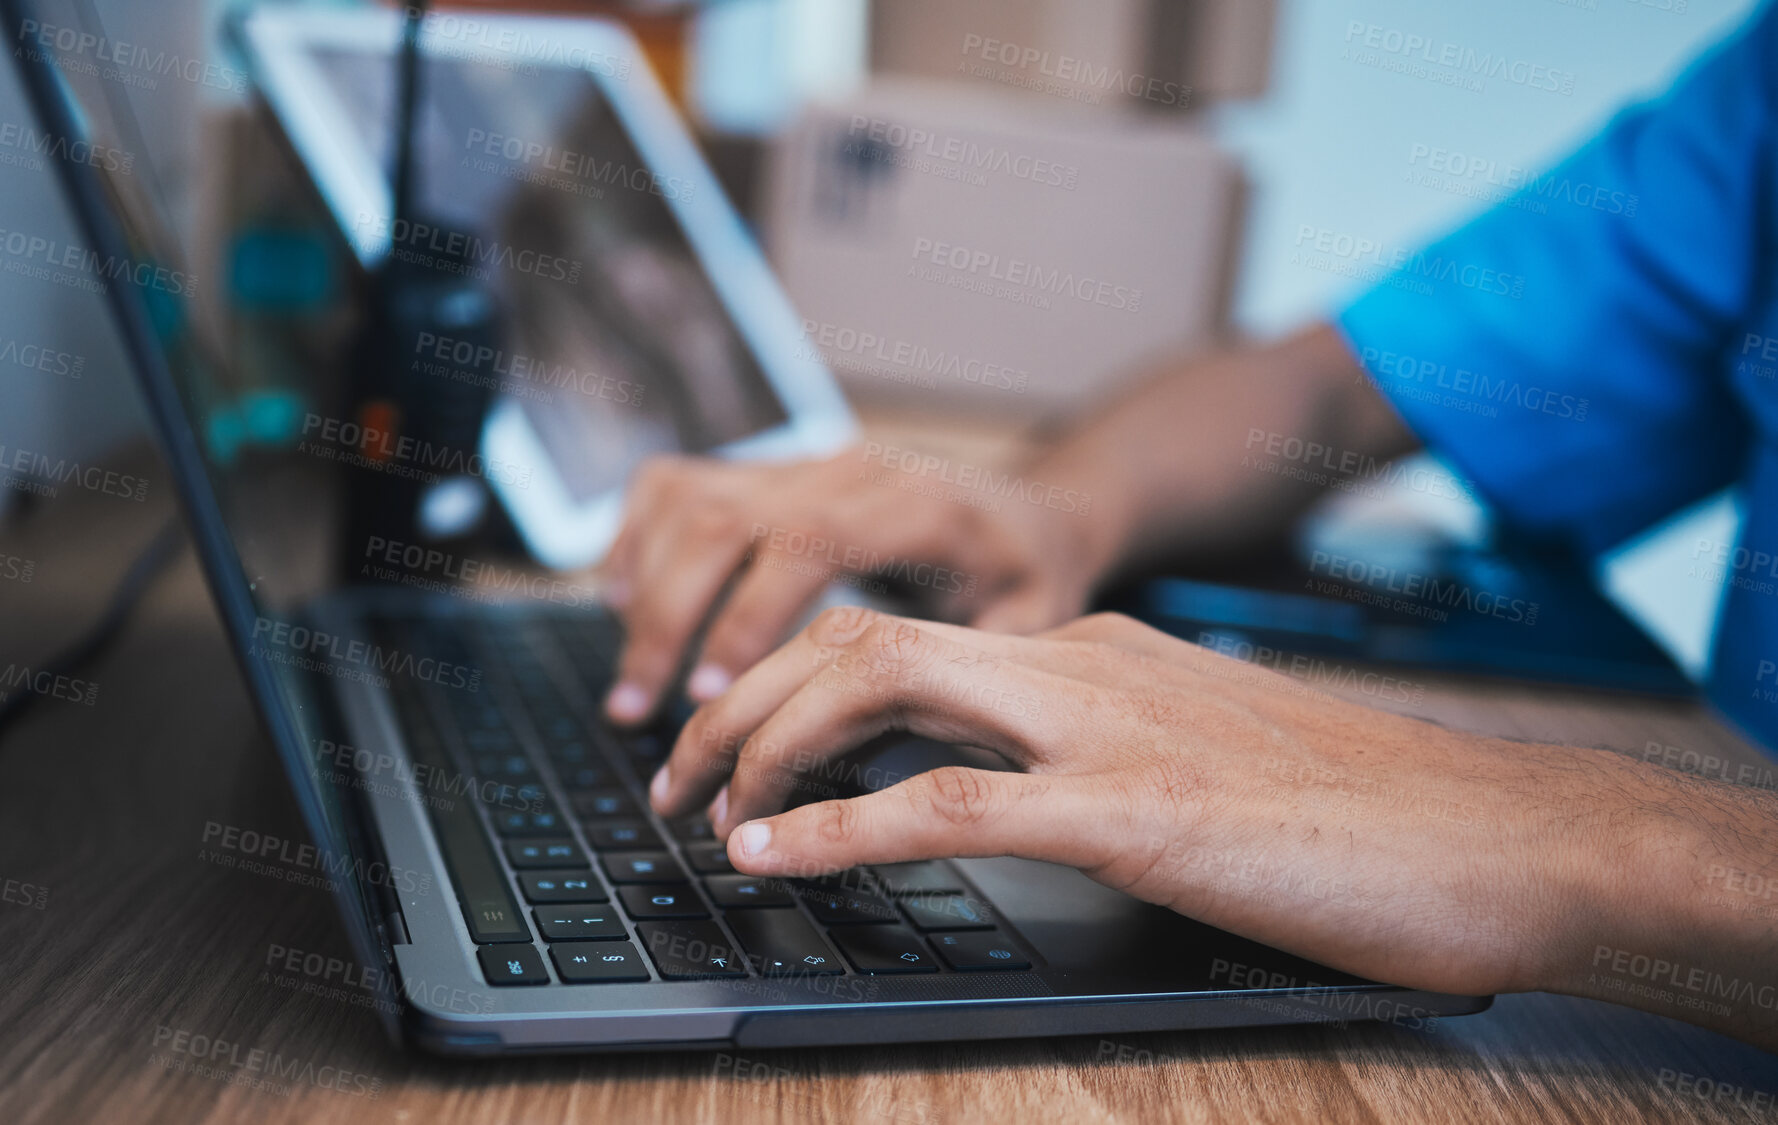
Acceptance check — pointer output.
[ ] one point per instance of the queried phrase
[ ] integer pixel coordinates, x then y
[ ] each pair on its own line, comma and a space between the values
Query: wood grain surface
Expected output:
140, 937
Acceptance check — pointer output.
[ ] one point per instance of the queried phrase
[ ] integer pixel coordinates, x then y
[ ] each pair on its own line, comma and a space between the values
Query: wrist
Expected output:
1639, 876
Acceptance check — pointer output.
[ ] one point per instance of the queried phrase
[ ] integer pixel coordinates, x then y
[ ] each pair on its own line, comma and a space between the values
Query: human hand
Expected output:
1374, 843
781, 533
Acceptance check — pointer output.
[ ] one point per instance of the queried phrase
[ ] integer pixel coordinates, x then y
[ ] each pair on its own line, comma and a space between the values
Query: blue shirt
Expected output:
1600, 349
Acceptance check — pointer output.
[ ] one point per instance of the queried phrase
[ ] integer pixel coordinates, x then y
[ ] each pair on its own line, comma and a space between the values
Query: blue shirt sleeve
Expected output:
1568, 349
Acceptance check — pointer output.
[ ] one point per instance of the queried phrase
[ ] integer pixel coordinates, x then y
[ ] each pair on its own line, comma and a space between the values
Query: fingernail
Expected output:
755, 835
657, 789
627, 703
719, 807
708, 682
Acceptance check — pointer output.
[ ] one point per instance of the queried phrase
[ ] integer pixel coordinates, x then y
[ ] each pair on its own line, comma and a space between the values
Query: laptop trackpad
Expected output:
1077, 924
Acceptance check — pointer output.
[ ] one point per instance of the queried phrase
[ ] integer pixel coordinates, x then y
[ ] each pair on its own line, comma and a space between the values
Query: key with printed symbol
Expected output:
689, 950
980, 949
561, 886
623, 836
578, 923
603, 804
662, 900
709, 859
523, 824
885, 949
739, 891
643, 867
606, 962
512, 964
530, 854
782, 943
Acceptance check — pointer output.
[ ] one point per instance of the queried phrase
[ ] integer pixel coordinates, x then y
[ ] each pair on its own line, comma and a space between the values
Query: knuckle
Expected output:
959, 795
841, 625
837, 822
714, 520
893, 646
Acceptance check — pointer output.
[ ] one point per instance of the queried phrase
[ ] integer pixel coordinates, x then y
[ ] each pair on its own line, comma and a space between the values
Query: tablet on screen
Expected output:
638, 315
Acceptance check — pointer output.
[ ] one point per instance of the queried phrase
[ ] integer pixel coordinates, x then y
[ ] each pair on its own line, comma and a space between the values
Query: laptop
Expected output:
487, 837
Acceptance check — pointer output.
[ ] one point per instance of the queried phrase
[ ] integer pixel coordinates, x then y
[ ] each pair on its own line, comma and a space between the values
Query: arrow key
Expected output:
689, 950
885, 949
781, 943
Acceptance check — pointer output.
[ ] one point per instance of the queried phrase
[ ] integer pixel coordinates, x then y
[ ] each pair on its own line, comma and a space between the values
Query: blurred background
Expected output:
1185, 149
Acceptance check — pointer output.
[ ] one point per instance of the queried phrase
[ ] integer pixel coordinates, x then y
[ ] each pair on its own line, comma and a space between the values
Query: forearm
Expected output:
1178, 465
1685, 884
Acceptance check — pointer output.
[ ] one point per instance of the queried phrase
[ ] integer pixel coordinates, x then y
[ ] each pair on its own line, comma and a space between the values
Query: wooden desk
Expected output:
105, 807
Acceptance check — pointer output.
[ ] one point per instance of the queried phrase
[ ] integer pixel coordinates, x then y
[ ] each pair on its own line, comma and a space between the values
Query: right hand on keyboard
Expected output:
789, 530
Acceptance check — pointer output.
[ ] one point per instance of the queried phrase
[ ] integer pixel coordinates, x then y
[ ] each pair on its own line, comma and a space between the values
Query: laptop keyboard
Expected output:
565, 877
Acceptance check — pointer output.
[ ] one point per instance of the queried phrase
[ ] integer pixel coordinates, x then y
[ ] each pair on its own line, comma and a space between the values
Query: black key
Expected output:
608, 962
688, 950
643, 867
512, 964
649, 748
504, 767
478, 714
781, 942
738, 891
836, 906
885, 949
584, 774
507, 796
561, 886
579, 923
531, 854
709, 859
604, 803
982, 949
497, 740
557, 726
948, 912
692, 830
664, 900
574, 754
522, 824
933, 876
624, 836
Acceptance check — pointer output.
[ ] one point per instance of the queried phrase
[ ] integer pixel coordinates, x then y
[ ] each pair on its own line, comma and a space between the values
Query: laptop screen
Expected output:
128, 112
242, 316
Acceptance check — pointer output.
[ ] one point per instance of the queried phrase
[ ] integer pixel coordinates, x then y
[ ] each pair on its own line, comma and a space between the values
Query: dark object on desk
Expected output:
421, 291
1473, 613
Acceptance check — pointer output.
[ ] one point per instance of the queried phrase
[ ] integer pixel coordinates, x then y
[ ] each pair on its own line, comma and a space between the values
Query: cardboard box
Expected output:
1153, 54
964, 253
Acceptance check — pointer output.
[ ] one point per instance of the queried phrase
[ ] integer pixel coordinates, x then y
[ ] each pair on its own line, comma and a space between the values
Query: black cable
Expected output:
155, 558
407, 105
